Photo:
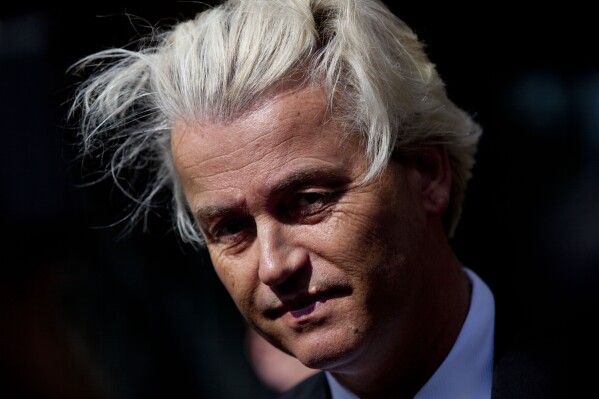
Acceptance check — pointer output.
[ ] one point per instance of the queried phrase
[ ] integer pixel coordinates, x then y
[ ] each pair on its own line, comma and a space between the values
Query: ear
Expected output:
432, 163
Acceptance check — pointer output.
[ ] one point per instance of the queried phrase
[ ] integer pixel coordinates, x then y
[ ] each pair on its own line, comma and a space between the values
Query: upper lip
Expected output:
301, 300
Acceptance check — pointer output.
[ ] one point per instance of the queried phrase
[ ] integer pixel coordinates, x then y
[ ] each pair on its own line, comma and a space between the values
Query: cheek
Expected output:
347, 242
371, 238
238, 281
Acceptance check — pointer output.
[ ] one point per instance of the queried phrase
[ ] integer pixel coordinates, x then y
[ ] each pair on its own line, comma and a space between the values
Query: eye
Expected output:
309, 203
233, 229
308, 199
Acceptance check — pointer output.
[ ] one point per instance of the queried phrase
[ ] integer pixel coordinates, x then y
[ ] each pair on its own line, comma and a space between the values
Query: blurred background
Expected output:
84, 314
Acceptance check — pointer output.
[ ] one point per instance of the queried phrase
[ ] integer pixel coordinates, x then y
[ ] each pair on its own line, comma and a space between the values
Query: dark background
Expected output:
86, 315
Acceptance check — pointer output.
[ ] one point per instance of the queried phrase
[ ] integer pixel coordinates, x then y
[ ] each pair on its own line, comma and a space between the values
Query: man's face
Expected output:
326, 268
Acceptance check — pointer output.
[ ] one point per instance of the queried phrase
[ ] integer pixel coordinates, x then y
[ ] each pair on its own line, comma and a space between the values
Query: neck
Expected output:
399, 363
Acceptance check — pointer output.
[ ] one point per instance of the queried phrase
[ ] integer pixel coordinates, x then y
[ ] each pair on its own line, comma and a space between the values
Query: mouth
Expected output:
302, 305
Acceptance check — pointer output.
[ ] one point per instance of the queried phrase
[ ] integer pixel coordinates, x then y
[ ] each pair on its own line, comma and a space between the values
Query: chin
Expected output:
328, 350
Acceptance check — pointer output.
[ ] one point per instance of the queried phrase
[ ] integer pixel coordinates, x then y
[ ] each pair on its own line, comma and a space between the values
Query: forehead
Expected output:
290, 131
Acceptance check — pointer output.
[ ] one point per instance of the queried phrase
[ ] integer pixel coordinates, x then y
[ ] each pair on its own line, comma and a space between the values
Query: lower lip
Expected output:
303, 311
307, 310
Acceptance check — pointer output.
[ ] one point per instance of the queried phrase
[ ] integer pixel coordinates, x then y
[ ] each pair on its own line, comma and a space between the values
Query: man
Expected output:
310, 146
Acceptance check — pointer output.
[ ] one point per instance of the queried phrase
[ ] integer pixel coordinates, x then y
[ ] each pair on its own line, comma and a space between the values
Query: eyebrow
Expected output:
307, 176
213, 211
294, 180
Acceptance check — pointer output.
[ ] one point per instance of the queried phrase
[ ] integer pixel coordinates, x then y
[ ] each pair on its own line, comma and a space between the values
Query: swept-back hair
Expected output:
377, 77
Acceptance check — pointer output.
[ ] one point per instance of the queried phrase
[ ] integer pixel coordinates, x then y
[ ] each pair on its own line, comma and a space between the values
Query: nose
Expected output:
280, 258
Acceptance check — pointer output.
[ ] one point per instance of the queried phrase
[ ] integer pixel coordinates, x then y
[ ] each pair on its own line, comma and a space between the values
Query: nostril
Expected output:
298, 282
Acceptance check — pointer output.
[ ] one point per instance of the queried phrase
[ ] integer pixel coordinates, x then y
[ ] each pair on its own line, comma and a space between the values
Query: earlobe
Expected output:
432, 163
